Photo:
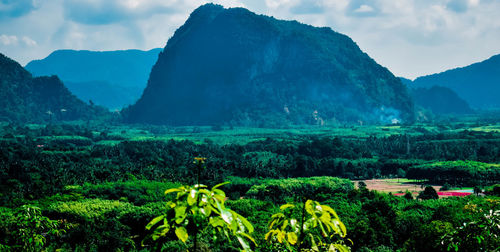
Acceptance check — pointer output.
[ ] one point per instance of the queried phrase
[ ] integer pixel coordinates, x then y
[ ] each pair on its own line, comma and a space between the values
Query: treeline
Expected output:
34, 162
457, 172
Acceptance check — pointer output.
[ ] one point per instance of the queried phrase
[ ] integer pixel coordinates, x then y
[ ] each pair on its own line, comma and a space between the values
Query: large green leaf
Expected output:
243, 223
295, 225
154, 221
160, 232
219, 195
180, 214
227, 216
292, 238
206, 210
172, 190
338, 247
191, 199
270, 234
285, 206
181, 233
248, 237
221, 184
309, 207
244, 244
216, 222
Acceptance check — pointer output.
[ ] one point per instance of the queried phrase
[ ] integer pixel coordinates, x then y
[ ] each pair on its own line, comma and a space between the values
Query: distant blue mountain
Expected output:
405, 81
26, 99
440, 100
112, 79
478, 84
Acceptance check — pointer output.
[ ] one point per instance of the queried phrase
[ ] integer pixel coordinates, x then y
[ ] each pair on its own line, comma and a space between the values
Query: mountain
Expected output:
233, 66
112, 79
405, 81
440, 100
27, 99
478, 84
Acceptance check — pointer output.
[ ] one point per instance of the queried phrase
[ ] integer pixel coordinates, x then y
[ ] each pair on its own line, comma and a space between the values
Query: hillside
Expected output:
27, 99
112, 79
440, 100
478, 84
233, 66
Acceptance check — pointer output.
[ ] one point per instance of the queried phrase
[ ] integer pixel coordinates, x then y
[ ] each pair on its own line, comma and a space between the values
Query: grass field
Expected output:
398, 186
242, 135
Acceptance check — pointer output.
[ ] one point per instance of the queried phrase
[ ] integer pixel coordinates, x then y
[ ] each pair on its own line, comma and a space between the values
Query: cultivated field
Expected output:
398, 186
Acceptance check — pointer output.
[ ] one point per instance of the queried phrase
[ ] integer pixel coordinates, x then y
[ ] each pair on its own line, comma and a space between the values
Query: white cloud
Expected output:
410, 37
8, 40
112, 11
28, 41
364, 9
273, 4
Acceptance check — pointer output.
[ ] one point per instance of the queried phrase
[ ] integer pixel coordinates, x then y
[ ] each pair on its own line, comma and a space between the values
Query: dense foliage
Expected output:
36, 161
97, 187
254, 70
374, 222
462, 172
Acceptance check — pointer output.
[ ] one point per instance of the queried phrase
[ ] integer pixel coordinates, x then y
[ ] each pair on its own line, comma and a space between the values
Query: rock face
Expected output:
113, 79
478, 84
233, 66
27, 99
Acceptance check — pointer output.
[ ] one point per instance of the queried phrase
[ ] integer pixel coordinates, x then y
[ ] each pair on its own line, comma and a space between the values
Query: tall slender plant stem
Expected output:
199, 166
301, 234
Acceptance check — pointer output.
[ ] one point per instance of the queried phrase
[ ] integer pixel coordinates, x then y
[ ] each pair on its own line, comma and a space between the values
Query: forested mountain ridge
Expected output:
440, 100
41, 99
478, 84
112, 79
255, 70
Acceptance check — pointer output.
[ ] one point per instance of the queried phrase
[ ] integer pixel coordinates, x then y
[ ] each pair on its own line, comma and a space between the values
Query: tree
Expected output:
401, 174
477, 190
289, 231
428, 193
408, 195
195, 209
31, 228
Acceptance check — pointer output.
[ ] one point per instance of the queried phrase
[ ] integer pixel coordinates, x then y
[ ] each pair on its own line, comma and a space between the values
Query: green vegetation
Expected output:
96, 185
461, 172
195, 209
29, 228
428, 193
310, 218
93, 196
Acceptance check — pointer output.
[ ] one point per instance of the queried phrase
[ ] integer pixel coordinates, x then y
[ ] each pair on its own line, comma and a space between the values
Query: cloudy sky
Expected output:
410, 37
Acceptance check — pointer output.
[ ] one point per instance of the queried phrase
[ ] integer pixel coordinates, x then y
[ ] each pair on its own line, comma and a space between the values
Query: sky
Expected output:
410, 37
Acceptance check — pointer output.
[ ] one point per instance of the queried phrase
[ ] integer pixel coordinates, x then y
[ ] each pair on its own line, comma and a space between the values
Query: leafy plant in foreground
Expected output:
195, 209
31, 229
481, 234
290, 231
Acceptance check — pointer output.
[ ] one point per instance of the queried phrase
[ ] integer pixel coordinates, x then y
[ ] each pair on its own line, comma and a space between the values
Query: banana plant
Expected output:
196, 208
293, 233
